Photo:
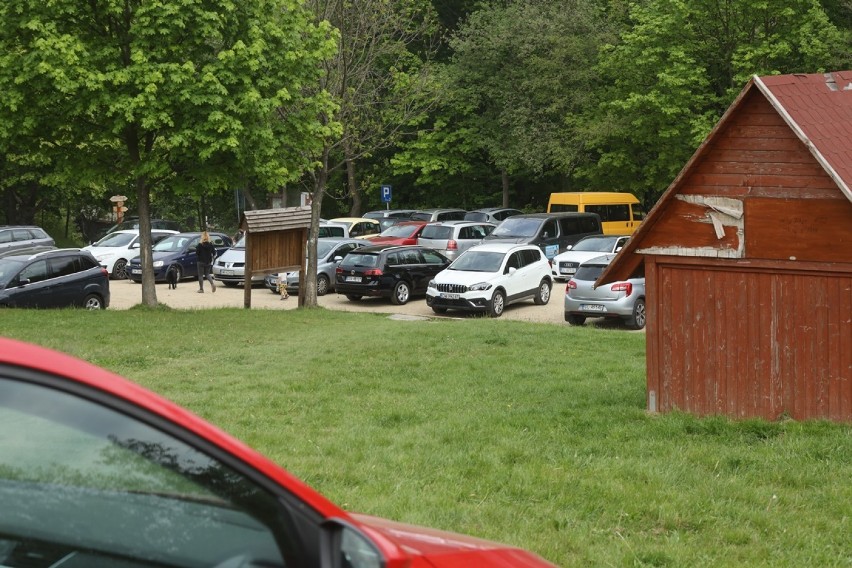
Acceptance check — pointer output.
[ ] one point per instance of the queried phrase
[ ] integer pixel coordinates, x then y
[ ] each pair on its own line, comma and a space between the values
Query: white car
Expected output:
489, 277
115, 250
565, 264
229, 268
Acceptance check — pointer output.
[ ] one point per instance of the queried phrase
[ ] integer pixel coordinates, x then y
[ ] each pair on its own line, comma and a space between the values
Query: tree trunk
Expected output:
143, 204
505, 179
251, 204
354, 190
308, 286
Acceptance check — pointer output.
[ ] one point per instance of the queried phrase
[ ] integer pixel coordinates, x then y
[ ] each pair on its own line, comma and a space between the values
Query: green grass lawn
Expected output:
530, 434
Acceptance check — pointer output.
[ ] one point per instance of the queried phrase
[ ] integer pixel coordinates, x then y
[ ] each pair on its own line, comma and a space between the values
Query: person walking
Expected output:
206, 253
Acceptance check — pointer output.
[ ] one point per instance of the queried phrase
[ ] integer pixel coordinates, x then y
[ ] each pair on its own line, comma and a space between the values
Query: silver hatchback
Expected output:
451, 238
624, 300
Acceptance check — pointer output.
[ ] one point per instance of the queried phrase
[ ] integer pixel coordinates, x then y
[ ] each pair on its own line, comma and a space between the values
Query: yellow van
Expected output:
618, 211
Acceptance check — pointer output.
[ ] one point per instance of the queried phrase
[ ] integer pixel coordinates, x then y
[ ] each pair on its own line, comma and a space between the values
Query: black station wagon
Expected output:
389, 271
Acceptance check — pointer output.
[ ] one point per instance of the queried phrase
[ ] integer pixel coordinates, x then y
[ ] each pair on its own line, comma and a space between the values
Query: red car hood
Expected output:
441, 549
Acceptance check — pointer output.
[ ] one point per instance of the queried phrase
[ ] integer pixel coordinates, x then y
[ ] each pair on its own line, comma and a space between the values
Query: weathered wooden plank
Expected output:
789, 156
754, 168
711, 180
753, 130
804, 230
688, 226
761, 144
653, 338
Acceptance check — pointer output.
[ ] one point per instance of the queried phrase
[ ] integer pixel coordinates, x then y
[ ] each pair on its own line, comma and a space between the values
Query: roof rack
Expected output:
51, 251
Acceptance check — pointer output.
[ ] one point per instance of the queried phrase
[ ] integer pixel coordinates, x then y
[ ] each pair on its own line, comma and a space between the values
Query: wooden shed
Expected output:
275, 242
748, 260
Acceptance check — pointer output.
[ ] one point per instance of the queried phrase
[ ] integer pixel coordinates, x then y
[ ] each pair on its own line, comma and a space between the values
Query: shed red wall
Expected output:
747, 339
770, 332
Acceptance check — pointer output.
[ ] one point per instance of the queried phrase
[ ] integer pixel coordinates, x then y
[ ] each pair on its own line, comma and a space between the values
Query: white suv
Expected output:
489, 277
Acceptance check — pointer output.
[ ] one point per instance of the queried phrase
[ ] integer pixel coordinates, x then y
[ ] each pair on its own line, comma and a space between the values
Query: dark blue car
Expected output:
178, 251
56, 278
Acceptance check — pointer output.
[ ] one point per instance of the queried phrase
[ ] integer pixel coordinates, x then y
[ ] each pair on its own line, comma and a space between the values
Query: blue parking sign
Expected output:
386, 194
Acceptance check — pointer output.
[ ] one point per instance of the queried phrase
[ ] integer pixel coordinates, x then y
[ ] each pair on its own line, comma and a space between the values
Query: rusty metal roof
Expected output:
282, 219
817, 107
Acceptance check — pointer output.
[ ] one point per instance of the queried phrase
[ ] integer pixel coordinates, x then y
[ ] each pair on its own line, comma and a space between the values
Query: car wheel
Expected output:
401, 293
497, 304
119, 269
322, 285
353, 297
543, 295
637, 319
94, 302
574, 319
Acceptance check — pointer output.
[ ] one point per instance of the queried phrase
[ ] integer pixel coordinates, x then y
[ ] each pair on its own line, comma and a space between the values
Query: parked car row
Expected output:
177, 252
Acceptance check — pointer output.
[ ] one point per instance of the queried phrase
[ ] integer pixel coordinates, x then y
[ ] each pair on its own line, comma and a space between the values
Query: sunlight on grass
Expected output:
530, 434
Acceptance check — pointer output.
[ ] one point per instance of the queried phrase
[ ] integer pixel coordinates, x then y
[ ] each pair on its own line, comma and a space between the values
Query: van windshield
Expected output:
515, 227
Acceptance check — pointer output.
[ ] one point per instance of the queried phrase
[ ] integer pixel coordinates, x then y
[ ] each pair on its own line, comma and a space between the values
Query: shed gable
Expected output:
756, 191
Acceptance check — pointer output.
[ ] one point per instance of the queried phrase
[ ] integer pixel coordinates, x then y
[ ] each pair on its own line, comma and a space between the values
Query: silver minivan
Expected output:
451, 238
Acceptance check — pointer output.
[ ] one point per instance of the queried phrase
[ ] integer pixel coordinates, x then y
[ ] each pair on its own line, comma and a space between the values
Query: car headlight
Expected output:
158, 263
432, 285
480, 287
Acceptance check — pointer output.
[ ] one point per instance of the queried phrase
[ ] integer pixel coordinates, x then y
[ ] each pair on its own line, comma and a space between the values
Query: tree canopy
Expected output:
188, 95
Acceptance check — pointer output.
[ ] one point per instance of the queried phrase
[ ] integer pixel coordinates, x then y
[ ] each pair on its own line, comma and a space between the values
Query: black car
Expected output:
56, 278
178, 251
390, 271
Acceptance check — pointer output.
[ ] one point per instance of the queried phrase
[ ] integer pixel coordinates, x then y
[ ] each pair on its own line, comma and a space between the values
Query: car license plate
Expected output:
353, 278
136, 271
447, 296
568, 270
592, 308
227, 273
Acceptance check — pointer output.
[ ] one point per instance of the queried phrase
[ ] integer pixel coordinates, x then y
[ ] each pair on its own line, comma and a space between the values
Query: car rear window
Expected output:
589, 271
360, 259
437, 232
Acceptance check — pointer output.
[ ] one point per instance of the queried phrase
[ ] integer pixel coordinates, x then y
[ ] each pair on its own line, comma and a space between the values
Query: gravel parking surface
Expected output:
125, 294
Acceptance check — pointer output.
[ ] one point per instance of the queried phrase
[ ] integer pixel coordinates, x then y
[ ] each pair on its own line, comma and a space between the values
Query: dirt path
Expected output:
125, 294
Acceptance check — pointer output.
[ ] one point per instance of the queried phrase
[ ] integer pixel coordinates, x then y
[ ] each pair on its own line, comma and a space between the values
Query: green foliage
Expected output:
677, 68
530, 434
184, 94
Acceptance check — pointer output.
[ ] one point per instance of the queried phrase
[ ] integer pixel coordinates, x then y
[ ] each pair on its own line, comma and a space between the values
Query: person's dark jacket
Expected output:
206, 252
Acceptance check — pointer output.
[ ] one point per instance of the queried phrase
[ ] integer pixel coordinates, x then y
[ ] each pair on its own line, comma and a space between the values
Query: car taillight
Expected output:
570, 286
625, 287
104, 271
373, 272
338, 270
452, 245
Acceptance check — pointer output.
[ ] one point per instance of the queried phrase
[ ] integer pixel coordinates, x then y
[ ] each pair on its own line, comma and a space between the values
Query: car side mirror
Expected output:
618, 249
338, 258
569, 247
511, 270
545, 235
136, 245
